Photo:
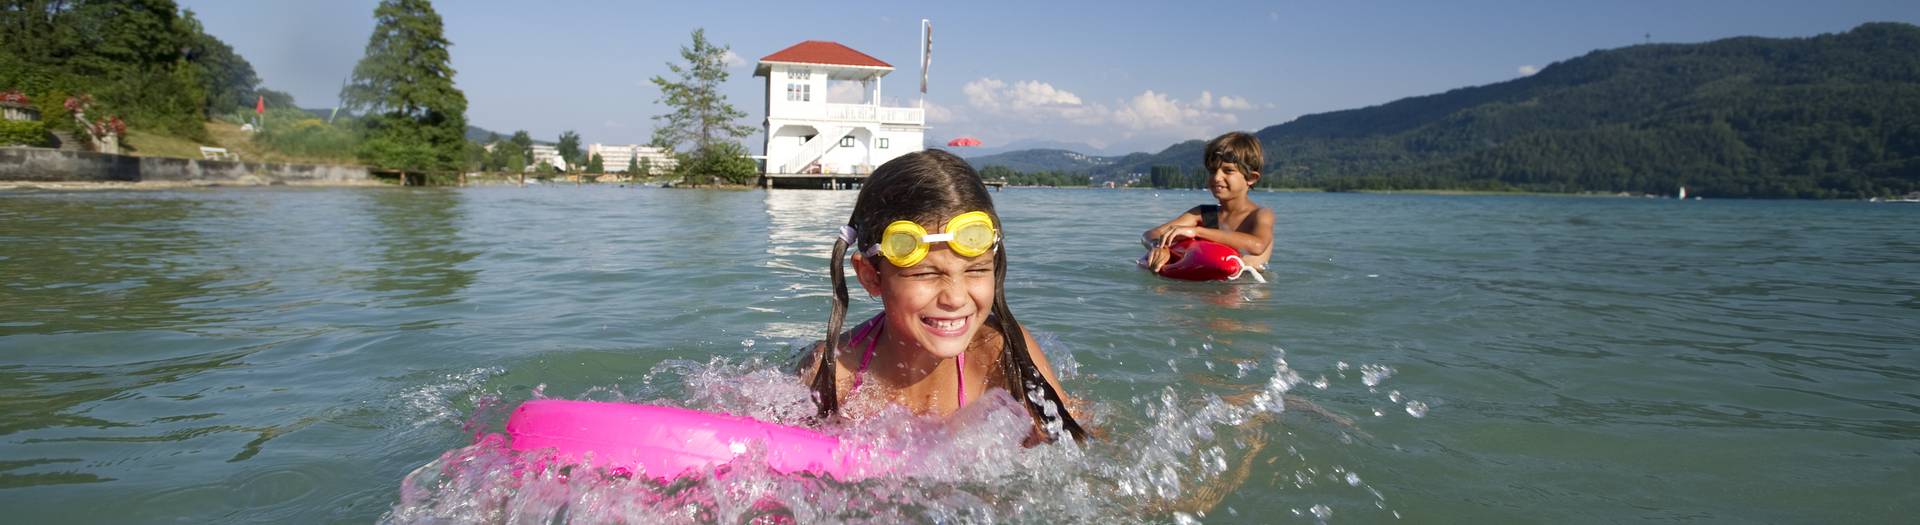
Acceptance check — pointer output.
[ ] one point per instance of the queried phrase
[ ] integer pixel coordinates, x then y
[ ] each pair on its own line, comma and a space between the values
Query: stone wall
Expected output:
48, 165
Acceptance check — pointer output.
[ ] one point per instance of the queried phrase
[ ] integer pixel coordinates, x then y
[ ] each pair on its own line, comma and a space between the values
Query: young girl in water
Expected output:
926, 241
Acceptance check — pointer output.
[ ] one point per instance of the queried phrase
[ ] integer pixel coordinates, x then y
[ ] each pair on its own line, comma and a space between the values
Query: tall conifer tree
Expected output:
700, 113
416, 118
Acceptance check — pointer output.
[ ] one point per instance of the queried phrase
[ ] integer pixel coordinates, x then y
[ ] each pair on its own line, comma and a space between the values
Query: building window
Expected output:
799, 92
846, 142
799, 74
883, 143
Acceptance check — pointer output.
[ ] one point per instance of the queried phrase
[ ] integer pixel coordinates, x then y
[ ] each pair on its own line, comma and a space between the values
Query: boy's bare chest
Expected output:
1236, 222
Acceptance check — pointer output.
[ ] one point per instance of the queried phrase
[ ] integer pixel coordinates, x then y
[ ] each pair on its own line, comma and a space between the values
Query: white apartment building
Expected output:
616, 158
549, 154
806, 133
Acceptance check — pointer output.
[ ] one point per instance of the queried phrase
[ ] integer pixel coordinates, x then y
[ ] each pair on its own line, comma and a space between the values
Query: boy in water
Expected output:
1234, 160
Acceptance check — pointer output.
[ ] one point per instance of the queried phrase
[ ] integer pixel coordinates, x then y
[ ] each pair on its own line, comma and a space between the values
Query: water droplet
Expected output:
1321, 511
1321, 383
1353, 479
1394, 396
1342, 365
1416, 409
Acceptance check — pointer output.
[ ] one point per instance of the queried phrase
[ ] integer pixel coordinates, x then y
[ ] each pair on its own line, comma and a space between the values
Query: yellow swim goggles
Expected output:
905, 243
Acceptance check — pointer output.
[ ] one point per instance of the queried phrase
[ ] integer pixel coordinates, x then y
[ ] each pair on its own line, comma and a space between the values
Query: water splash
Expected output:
1169, 457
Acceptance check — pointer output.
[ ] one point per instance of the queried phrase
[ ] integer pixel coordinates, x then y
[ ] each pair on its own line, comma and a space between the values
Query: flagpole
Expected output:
926, 43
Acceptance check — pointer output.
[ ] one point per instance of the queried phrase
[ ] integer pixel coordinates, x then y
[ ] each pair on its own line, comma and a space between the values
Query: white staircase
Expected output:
814, 149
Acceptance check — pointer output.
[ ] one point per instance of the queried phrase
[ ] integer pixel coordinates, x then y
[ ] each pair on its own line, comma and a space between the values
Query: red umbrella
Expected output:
963, 142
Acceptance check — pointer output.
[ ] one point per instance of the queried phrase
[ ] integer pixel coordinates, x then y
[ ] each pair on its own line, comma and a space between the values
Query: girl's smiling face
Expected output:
938, 304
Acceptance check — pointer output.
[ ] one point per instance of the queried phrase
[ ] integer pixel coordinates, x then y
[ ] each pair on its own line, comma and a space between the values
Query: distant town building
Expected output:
807, 133
616, 158
548, 154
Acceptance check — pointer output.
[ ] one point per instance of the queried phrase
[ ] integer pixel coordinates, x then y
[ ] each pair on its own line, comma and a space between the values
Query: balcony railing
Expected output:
858, 113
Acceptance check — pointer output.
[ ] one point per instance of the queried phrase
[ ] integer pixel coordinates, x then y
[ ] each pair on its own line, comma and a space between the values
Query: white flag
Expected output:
926, 51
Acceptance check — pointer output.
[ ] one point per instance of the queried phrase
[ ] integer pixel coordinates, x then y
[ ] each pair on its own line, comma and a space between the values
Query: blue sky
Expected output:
1117, 76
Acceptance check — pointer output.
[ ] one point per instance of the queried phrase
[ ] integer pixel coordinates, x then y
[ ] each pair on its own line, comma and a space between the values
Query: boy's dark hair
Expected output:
1239, 148
924, 187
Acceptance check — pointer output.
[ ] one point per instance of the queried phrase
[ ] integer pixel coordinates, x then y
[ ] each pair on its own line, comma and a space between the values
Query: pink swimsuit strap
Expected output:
875, 325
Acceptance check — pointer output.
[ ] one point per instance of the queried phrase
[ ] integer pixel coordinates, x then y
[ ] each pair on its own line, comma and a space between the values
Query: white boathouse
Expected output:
826, 125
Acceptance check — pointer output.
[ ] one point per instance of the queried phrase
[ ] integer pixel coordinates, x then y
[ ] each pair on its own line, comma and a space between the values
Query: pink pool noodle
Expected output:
665, 442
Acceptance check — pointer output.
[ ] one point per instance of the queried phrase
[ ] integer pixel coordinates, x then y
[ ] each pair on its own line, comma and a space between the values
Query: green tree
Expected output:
633, 166
723, 161
227, 79
645, 170
523, 143
512, 163
596, 165
131, 56
491, 161
415, 119
699, 113
569, 147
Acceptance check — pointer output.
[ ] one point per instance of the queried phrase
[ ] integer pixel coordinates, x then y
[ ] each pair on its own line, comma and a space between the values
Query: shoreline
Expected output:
25, 185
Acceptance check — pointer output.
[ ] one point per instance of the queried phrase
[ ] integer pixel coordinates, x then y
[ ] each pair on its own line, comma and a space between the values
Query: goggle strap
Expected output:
848, 235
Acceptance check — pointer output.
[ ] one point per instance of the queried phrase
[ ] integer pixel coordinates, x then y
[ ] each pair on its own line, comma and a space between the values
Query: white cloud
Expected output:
938, 114
1026, 95
1223, 102
1029, 93
983, 93
1025, 106
1528, 70
732, 59
1157, 111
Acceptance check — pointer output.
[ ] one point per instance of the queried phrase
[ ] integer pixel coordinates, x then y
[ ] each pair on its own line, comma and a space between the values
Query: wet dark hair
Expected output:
925, 187
1239, 148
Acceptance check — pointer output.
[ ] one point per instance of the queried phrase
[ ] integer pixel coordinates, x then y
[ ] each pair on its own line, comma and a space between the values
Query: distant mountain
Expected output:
480, 135
474, 133
1836, 115
1035, 160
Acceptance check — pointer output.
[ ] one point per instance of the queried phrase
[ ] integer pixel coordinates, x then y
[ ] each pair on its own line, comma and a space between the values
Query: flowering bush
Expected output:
107, 125
15, 97
79, 103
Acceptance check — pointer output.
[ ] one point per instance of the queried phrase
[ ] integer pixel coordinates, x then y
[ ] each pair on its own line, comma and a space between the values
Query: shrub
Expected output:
309, 137
24, 133
724, 161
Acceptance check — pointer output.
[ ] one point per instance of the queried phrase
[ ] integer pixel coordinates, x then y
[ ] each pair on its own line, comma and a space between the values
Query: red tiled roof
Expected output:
824, 52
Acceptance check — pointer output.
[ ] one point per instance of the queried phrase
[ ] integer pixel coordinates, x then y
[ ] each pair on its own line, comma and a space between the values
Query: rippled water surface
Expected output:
293, 355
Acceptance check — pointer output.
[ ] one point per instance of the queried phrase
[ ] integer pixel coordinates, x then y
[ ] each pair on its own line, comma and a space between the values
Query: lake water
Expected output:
293, 355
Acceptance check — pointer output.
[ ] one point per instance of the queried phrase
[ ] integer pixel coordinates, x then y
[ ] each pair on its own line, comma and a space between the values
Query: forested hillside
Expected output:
145, 61
1831, 116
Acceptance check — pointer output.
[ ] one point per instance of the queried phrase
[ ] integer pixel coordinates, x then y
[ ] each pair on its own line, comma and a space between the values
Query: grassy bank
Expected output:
158, 143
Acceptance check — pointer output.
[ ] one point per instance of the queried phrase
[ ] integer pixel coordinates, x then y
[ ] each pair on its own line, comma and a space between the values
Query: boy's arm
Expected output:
1186, 219
1255, 243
